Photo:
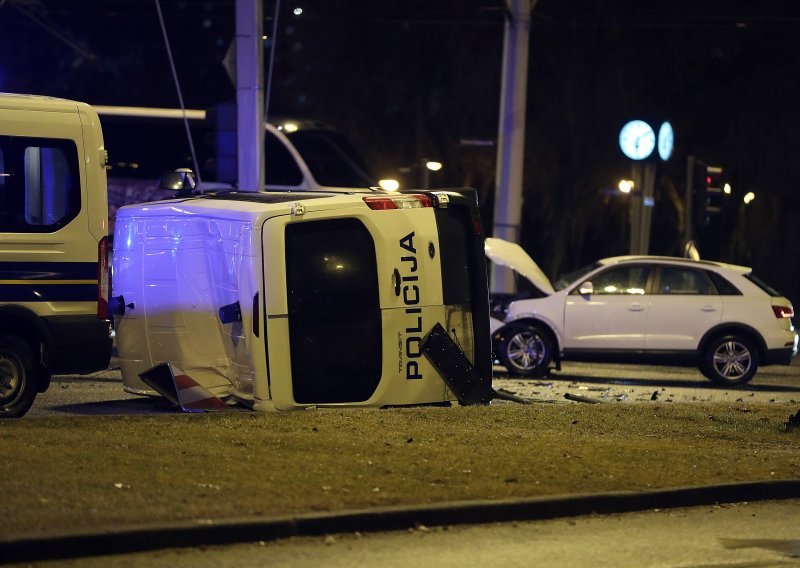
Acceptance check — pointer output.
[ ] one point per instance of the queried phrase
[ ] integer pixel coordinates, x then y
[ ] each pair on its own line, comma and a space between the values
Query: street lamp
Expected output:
749, 196
389, 184
429, 166
626, 185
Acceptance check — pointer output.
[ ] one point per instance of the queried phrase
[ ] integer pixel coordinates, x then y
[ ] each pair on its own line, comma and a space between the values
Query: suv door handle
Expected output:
637, 307
709, 308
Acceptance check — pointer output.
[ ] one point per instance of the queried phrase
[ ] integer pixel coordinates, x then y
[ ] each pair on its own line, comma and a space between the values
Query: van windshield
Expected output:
331, 158
333, 301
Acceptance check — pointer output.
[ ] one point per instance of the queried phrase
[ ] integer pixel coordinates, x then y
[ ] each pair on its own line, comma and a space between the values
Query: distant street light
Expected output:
389, 184
726, 189
430, 166
626, 185
750, 196
288, 127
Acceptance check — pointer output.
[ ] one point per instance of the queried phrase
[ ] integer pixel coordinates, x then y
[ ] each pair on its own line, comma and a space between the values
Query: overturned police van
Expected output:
285, 300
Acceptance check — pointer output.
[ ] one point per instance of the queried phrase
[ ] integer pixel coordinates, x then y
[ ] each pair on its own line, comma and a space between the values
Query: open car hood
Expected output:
512, 255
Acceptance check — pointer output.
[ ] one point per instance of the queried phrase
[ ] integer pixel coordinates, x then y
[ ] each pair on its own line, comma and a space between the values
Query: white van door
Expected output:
349, 295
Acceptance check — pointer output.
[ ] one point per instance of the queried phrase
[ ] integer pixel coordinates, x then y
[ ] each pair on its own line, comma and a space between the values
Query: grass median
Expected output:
85, 473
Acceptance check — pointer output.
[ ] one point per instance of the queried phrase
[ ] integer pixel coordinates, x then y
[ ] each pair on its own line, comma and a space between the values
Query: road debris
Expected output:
579, 398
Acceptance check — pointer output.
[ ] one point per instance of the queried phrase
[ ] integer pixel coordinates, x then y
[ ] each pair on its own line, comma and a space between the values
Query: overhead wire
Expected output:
178, 89
271, 60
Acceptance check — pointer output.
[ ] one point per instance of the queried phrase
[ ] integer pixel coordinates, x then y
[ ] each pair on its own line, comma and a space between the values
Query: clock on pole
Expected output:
637, 140
666, 139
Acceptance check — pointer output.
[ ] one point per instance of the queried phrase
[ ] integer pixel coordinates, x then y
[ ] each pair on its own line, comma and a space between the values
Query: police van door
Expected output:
350, 293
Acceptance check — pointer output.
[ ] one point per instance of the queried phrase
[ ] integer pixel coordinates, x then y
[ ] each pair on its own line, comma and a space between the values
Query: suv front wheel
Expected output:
525, 350
730, 360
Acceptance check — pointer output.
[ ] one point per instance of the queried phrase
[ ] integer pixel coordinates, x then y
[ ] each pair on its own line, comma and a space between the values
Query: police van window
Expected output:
47, 185
332, 284
3, 173
40, 184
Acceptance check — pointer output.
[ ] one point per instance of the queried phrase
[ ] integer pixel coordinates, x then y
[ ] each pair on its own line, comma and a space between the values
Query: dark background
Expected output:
413, 79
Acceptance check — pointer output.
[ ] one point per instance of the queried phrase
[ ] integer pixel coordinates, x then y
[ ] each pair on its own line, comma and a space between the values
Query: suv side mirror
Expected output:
586, 288
181, 181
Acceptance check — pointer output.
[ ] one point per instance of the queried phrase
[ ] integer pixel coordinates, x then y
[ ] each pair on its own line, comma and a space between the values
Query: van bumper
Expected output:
78, 344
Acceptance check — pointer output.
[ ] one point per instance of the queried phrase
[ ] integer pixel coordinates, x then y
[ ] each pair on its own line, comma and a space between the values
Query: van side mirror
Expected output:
586, 288
181, 181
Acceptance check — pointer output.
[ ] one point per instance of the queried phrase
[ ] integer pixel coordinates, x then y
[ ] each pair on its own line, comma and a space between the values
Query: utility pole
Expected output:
511, 135
688, 213
642, 203
250, 95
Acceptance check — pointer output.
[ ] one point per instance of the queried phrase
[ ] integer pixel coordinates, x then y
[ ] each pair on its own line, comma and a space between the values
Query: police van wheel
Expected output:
19, 377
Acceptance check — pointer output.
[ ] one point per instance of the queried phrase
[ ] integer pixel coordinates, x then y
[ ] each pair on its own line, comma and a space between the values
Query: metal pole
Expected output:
688, 220
250, 95
647, 206
511, 135
636, 208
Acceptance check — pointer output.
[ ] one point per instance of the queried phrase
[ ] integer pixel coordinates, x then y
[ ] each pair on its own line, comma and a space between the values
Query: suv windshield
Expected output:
571, 277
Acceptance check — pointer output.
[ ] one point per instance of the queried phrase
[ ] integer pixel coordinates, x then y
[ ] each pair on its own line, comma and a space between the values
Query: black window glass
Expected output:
571, 277
763, 285
335, 335
722, 285
39, 184
621, 280
280, 167
146, 147
683, 281
331, 158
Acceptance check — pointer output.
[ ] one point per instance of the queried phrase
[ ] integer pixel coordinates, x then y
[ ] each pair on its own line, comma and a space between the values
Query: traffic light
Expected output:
707, 185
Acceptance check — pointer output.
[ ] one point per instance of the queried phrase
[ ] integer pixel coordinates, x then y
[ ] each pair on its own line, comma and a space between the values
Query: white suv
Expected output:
717, 316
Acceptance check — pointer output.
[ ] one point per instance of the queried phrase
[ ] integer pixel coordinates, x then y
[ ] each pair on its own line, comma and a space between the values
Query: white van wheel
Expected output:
525, 350
19, 377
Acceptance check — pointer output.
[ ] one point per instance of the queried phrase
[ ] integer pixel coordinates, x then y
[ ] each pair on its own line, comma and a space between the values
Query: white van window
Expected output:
47, 185
40, 184
332, 284
3, 173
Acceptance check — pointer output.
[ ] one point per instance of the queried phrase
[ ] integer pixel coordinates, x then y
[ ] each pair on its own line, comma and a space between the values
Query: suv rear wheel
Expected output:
730, 360
525, 350
19, 377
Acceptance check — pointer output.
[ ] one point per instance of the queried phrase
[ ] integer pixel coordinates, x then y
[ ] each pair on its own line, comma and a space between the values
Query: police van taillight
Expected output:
103, 277
400, 201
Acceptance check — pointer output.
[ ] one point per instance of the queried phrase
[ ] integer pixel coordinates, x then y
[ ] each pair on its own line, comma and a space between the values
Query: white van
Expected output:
285, 300
53, 246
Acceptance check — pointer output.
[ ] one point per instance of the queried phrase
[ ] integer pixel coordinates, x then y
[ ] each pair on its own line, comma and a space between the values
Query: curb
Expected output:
192, 534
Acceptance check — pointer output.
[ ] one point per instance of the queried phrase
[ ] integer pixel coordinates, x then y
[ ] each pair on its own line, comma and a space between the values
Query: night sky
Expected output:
413, 79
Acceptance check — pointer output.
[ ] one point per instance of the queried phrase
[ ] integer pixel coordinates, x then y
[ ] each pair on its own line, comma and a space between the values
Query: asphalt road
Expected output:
740, 534
101, 393
641, 383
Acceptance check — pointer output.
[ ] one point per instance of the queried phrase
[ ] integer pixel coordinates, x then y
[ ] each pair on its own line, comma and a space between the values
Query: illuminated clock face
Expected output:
666, 138
637, 140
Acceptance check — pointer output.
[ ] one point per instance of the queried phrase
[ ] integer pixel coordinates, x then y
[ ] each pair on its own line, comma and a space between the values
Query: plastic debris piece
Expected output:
579, 398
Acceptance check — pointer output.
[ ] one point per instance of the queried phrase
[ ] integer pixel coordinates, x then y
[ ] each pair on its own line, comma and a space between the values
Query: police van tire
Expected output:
19, 377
